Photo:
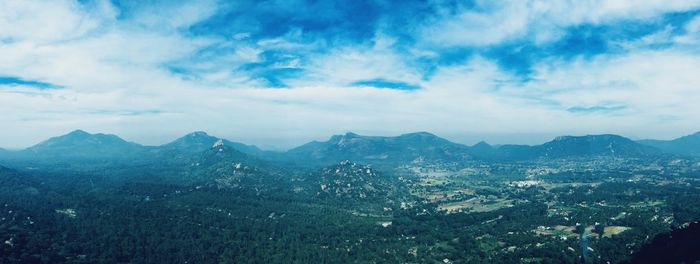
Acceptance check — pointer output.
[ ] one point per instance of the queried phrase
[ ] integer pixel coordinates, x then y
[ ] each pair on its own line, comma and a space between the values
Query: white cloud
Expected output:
652, 85
541, 21
476, 28
692, 33
112, 70
345, 65
48, 21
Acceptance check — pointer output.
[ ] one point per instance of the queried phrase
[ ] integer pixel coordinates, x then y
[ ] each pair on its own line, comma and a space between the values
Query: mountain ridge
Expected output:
401, 149
688, 145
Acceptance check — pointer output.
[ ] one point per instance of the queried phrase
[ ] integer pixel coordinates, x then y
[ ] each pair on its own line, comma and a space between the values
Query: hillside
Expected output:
380, 150
80, 144
687, 145
678, 246
199, 141
577, 146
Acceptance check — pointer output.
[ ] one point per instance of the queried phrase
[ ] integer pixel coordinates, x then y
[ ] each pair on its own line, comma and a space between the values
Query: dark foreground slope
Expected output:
681, 245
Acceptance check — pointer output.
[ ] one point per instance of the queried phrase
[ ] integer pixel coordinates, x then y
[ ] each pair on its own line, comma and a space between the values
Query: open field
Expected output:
476, 205
568, 231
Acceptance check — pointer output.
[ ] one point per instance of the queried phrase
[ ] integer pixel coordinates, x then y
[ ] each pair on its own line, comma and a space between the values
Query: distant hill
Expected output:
200, 141
370, 149
595, 145
83, 146
482, 149
686, 145
427, 147
80, 144
577, 146
183, 149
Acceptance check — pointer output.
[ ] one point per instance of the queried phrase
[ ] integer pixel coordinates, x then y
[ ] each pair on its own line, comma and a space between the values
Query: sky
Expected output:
280, 73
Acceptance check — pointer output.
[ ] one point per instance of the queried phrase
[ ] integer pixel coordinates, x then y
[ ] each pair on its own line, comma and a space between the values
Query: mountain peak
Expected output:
482, 144
80, 136
198, 134
421, 134
601, 137
351, 134
561, 138
198, 140
78, 133
79, 143
348, 135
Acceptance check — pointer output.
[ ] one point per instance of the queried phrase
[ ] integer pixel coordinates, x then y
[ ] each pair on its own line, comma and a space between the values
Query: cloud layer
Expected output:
279, 73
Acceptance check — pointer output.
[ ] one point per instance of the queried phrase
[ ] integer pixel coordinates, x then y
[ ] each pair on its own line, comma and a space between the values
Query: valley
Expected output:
85, 198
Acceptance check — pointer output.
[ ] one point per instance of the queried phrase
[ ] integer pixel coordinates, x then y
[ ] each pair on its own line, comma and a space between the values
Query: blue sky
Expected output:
279, 73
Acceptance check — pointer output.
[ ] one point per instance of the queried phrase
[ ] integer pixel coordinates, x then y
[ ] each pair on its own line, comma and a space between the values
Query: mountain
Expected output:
200, 141
594, 145
385, 150
482, 149
81, 144
577, 146
379, 151
423, 146
686, 145
224, 167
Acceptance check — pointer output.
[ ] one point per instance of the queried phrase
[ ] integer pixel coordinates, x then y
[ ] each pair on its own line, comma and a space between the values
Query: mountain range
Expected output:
577, 146
355, 188
406, 148
687, 145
